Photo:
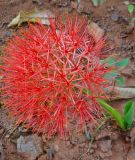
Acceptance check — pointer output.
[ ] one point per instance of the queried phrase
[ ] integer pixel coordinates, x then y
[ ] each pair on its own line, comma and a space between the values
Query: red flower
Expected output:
47, 71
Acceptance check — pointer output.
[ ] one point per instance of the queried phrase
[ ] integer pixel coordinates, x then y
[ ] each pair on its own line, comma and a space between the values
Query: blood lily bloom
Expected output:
53, 74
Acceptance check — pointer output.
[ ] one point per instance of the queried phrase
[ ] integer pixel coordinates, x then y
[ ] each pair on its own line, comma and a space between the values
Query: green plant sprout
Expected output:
125, 121
130, 8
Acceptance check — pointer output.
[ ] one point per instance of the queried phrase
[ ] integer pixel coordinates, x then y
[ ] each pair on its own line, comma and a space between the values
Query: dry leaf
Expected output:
32, 16
96, 31
120, 93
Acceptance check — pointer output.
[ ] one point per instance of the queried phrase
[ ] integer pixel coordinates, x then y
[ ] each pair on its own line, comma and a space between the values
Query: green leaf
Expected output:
130, 8
111, 61
120, 81
113, 112
122, 63
110, 75
98, 2
127, 107
95, 2
128, 114
102, 1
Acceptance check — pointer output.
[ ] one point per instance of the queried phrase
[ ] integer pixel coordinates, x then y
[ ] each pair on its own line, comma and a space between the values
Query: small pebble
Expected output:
92, 151
127, 139
1, 130
8, 34
115, 17
110, 9
126, 2
74, 5
31, 145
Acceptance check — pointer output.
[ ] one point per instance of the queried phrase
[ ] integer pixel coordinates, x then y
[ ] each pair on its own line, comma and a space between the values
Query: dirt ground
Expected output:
110, 143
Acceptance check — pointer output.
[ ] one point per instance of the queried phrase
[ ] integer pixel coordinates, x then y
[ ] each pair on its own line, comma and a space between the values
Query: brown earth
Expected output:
110, 143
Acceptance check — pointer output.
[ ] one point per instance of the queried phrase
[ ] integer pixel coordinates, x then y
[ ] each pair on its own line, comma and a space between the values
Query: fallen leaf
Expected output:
15, 21
32, 16
126, 2
96, 31
120, 92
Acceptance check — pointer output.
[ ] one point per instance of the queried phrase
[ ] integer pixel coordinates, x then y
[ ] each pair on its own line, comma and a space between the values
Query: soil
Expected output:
110, 143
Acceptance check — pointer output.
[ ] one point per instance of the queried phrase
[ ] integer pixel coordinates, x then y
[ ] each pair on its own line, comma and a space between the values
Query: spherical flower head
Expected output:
53, 75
